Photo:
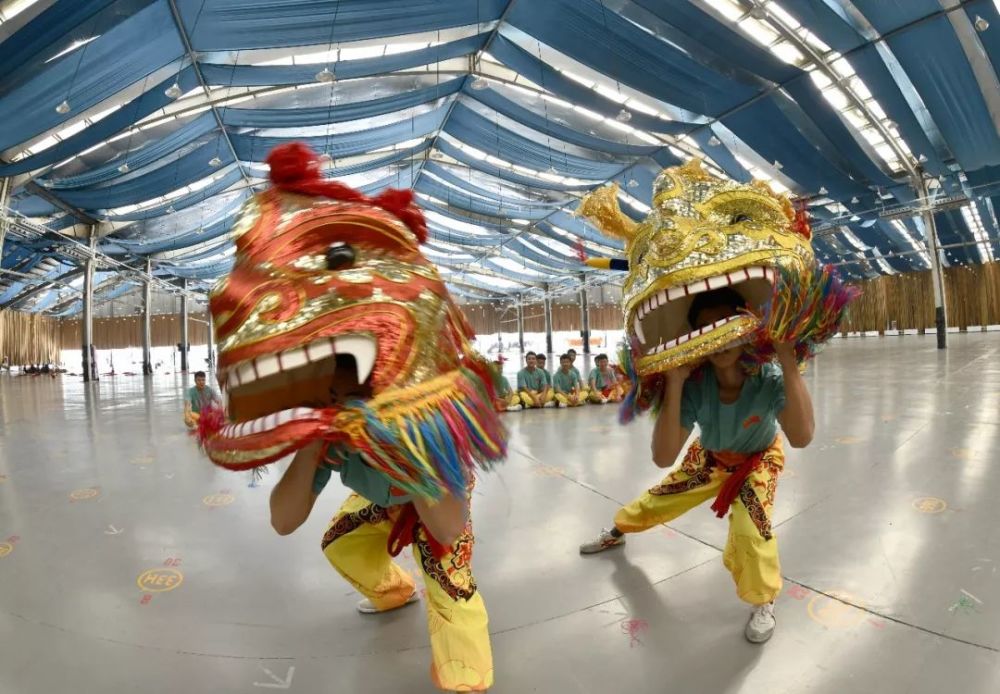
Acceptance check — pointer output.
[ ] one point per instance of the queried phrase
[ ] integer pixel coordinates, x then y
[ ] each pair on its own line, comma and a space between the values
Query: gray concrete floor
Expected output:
887, 524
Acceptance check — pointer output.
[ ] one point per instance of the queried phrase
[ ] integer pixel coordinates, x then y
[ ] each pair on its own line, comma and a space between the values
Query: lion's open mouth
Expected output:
660, 323
273, 389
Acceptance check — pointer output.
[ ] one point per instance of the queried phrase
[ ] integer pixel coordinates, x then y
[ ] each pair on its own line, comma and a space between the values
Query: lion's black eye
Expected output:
339, 256
739, 218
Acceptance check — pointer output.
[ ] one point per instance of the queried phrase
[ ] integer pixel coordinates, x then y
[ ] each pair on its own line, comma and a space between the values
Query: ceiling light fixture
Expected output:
981, 24
479, 83
624, 116
326, 76
215, 161
63, 107
173, 91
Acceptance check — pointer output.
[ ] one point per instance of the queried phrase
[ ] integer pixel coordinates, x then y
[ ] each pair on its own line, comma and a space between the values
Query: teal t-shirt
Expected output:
602, 380
357, 476
531, 380
748, 425
565, 382
503, 387
548, 376
200, 399
577, 372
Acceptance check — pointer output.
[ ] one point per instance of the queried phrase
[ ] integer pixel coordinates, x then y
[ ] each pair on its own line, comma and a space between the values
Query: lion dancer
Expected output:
339, 342
365, 534
736, 461
723, 302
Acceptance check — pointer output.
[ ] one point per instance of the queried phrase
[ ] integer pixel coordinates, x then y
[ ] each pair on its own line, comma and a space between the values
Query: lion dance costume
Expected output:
321, 272
704, 233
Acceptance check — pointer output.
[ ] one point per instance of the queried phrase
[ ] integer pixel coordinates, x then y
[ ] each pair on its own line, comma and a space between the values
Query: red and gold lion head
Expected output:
326, 278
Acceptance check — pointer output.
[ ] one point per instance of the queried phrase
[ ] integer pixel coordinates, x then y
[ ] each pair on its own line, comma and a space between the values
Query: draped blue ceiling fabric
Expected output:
337, 113
498, 168
226, 25
264, 75
255, 147
90, 75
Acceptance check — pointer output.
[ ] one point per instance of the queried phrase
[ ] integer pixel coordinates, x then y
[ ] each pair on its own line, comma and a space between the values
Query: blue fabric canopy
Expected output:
570, 94
262, 75
337, 113
255, 148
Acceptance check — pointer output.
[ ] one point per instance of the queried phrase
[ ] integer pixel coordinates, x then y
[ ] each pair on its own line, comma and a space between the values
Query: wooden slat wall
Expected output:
972, 298
118, 333
487, 319
972, 293
29, 338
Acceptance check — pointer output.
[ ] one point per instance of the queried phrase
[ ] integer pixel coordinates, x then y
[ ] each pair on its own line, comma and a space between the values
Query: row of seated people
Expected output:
536, 387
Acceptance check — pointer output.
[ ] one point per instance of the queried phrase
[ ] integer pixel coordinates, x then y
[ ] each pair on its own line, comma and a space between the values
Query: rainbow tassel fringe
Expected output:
807, 307
645, 393
429, 439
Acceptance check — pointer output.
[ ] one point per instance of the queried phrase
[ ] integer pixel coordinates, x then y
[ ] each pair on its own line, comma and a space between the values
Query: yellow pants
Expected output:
612, 393
502, 403
564, 399
529, 401
751, 553
191, 419
355, 544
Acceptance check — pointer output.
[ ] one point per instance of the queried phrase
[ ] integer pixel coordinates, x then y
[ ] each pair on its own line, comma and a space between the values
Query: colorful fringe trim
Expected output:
807, 307
429, 439
645, 394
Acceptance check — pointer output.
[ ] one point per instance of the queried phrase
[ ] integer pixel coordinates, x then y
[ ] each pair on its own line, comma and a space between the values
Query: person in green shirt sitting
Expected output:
584, 392
506, 400
532, 384
542, 359
566, 384
199, 396
604, 387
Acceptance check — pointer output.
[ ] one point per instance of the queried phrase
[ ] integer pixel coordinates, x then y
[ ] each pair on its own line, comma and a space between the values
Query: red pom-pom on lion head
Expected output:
297, 169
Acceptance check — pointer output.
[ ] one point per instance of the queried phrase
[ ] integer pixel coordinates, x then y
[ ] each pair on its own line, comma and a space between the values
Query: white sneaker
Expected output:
562, 404
604, 401
604, 541
550, 403
366, 606
761, 625
514, 408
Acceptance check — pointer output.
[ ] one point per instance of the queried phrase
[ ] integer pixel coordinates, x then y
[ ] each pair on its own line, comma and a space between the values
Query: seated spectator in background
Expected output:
199, 397
532, 385
566, 384
604, 387
541, 358
584, 392
623, 383
507, 400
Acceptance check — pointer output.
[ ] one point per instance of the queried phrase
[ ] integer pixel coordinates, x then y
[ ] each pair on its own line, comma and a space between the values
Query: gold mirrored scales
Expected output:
701, 234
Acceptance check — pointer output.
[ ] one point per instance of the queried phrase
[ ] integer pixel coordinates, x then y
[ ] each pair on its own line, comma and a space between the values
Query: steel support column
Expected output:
211, 337
547, 307
185, 343
584, 314
87, 347
937, 274
147, 322
4, 195
520, 325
